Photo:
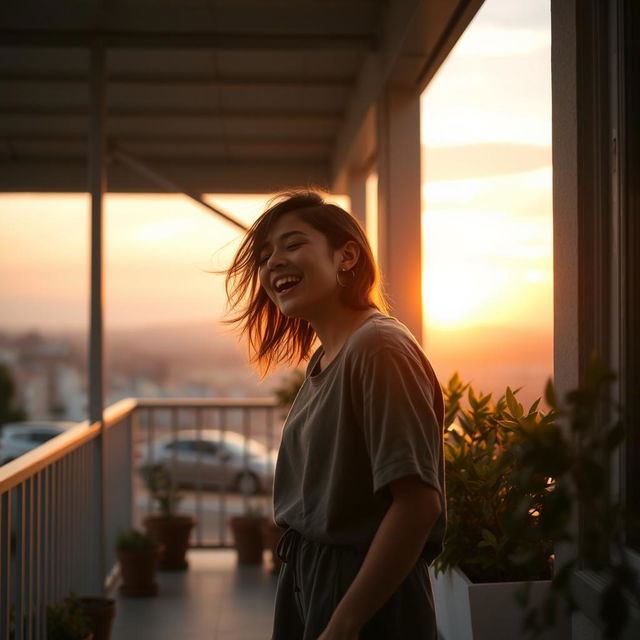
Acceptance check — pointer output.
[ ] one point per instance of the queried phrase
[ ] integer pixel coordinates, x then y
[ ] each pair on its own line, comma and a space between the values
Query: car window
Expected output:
207, 446
42, 436
181, 446
237, 449
21, 437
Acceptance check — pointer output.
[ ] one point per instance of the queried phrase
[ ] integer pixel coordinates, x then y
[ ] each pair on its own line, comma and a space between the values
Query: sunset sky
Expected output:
487, 212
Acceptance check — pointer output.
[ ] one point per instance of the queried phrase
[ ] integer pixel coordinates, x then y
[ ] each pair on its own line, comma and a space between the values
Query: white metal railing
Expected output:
62, 504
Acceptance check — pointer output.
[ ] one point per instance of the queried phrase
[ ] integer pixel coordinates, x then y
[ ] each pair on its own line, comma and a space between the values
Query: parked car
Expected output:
16, 438
212, 459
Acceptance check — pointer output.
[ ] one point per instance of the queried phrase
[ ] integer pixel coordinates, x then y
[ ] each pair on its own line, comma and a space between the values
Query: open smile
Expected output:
283, 285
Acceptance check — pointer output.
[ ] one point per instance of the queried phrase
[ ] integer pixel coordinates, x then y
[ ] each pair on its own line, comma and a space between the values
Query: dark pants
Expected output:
313, 579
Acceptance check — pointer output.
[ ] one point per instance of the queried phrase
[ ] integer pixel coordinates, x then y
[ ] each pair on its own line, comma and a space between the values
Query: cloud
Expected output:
500, 41
535, 14
463, 162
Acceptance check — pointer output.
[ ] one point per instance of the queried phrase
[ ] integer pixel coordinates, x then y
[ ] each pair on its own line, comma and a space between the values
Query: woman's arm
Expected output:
394, 551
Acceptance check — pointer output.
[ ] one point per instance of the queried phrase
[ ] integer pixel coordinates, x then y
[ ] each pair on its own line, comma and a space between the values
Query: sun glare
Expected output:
484, 267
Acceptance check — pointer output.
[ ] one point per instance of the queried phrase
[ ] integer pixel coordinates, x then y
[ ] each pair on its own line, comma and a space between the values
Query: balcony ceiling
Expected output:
230, 96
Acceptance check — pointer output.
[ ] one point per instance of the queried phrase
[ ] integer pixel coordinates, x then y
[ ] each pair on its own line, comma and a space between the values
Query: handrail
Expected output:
14, 472
206, 403
70, 496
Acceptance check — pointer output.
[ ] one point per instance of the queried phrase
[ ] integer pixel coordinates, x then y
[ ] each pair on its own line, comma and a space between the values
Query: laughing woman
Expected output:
359, 480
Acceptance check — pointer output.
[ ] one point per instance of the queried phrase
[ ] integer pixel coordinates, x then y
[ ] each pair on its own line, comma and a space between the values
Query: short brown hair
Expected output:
274, 338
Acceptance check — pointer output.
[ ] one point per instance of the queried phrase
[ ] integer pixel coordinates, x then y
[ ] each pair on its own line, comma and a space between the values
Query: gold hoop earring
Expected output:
345, 284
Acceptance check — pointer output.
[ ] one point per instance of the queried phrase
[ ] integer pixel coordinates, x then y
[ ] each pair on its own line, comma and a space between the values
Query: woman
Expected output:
359, 478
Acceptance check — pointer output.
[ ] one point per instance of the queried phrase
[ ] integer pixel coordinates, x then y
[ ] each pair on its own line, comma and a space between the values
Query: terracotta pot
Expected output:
271, 534
100, 612
138, 569
247, 533
172, 533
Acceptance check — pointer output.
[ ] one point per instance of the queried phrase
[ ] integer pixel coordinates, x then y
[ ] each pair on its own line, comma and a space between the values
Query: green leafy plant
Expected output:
482, 490
67, 620
521, 481
573, 454
134, 540
162, 488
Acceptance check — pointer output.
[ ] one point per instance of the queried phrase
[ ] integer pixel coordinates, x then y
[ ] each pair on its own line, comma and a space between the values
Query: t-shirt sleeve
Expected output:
402, 433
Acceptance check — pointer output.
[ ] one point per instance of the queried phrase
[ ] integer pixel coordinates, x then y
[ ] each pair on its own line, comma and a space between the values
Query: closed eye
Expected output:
292, 247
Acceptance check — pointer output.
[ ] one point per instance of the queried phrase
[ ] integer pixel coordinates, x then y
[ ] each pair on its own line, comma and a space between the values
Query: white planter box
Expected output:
489, 611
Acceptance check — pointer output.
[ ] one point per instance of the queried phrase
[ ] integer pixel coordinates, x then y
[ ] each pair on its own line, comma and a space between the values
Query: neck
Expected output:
334, 328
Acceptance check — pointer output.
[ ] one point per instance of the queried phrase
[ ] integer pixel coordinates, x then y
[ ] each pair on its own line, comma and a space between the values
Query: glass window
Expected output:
42, 436
182, 446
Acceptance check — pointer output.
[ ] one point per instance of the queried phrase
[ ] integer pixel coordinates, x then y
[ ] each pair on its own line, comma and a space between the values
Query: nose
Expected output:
276, 259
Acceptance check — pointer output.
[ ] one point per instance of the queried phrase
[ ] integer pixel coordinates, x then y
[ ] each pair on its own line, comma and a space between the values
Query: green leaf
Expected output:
550, 394
515, 408
489, 538
512, 403
534, 406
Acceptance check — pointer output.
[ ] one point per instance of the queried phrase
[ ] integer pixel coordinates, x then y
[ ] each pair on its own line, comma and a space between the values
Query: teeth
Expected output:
280, 282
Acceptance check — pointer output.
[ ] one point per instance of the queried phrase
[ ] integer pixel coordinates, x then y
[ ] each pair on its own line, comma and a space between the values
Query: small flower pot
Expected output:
247, 533
172, 534
100, 612
138, 569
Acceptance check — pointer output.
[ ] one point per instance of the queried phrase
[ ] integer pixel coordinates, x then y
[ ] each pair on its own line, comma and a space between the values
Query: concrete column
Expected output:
399, 204
357, 192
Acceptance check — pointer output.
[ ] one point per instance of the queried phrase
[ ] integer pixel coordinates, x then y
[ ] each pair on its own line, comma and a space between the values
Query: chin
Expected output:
292, 311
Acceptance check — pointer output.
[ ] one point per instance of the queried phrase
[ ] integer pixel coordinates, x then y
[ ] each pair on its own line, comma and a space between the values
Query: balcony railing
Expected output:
63, 504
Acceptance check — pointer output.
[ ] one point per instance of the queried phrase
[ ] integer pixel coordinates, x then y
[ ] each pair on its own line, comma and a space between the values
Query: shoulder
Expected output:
384, 336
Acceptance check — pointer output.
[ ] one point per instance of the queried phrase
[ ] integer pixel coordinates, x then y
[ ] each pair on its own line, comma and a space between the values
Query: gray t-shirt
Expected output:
373, 415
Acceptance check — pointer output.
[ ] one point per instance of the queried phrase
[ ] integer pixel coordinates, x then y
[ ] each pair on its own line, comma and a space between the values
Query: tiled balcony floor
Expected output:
215, 599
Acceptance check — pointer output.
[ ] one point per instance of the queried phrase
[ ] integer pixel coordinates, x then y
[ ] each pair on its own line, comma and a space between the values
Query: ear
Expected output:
349, 255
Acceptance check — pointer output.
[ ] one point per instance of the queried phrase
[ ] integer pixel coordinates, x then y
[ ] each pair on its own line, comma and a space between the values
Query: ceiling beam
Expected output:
148, 113
241, 25
168, 137
185, 41
67, 176
168, 184
183, 79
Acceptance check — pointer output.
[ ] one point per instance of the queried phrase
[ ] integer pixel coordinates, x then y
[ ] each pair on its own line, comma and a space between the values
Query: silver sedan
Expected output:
211, 458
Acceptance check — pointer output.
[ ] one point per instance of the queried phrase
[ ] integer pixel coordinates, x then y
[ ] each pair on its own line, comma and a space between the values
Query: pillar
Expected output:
399, 204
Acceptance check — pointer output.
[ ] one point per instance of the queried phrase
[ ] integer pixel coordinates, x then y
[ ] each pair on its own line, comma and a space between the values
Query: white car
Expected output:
16, 438
209, 459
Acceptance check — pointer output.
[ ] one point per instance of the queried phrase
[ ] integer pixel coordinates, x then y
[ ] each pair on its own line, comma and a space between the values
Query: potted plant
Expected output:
247, 532
67, 620
485, 562
100, 613
572, 457
517, 481
171, 530
138, 555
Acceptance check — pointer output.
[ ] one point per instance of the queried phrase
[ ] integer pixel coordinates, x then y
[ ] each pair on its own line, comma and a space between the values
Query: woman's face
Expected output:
298, 269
